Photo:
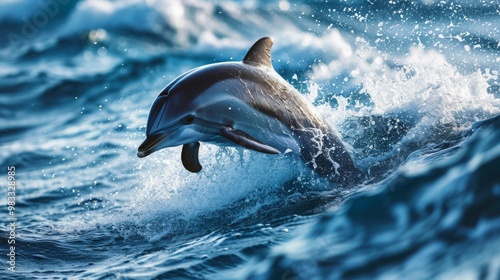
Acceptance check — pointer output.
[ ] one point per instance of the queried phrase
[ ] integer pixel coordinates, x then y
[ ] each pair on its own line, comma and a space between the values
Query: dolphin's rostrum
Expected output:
247, 104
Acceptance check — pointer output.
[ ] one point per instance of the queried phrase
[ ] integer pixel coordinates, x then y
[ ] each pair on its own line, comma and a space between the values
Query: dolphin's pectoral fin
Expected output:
241, 138
189, 157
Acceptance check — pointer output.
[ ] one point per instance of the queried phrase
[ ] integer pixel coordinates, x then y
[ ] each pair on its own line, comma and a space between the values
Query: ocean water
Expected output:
412, 87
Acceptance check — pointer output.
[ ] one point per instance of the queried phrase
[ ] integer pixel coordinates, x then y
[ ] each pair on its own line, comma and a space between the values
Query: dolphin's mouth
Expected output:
148, 146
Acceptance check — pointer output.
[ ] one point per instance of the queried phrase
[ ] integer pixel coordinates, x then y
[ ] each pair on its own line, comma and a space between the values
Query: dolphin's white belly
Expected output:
234, 113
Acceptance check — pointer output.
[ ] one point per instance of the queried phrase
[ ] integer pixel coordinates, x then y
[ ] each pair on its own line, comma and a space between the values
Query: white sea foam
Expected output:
422, 83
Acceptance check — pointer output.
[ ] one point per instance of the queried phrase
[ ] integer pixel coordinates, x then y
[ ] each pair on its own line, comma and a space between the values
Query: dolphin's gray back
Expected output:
259, 87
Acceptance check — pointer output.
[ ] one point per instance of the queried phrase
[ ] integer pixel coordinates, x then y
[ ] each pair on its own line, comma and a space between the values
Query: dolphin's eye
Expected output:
190, 119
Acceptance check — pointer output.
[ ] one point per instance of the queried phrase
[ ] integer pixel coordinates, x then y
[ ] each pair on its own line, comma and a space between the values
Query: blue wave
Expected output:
411, 87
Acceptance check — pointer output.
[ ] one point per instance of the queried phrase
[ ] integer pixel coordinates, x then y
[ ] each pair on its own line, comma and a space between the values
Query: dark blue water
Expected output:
411, 87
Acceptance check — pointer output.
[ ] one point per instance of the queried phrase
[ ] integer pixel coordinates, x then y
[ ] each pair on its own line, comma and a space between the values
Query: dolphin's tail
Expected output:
325, 154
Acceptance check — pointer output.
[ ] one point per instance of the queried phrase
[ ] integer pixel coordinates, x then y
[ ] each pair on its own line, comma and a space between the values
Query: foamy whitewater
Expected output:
411, 87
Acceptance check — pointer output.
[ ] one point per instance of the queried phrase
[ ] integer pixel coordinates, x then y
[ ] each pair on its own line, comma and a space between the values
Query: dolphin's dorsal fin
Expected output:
260, 53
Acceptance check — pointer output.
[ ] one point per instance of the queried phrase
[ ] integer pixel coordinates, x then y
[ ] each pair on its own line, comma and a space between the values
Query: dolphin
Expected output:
245, 103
